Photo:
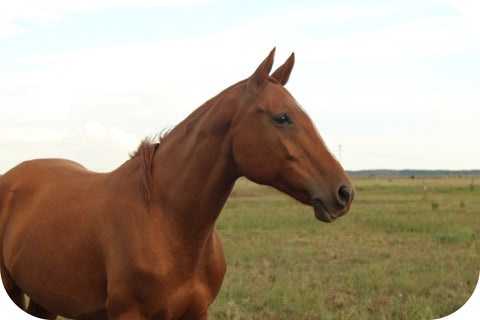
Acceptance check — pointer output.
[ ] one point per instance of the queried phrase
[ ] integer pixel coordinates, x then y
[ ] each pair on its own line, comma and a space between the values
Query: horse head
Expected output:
276, 143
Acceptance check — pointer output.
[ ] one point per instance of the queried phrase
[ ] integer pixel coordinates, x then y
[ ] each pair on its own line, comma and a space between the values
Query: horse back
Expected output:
35, 172
23, 183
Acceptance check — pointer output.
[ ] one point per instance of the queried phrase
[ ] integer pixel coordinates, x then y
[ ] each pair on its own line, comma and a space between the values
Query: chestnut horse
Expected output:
140, 242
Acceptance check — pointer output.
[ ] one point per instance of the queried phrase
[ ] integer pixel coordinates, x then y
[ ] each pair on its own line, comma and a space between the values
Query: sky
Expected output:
389, 84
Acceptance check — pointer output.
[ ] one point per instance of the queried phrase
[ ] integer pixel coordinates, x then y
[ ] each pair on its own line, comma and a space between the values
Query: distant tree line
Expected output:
411, 173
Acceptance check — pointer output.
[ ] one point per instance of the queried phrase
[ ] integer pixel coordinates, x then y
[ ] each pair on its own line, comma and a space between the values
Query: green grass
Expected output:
393, 256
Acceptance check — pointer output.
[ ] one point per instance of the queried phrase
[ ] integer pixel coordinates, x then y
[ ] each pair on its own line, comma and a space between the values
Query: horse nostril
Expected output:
344, 195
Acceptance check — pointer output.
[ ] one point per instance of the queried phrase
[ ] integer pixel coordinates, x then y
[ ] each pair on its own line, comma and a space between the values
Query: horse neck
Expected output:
194, 171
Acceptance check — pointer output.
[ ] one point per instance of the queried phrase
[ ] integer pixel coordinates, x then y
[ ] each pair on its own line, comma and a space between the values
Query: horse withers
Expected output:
140, 242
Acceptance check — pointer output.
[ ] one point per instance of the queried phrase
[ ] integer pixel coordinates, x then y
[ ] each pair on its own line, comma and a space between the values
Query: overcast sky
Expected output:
396, 84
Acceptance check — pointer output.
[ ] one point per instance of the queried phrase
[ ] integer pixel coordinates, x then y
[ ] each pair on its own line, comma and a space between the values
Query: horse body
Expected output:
140, 242
107, 251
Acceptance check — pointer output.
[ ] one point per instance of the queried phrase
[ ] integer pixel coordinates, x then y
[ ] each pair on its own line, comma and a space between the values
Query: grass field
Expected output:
396, 255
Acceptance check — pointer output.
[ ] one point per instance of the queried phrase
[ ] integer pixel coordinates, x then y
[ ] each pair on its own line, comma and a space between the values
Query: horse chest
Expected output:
163, 284
176, 295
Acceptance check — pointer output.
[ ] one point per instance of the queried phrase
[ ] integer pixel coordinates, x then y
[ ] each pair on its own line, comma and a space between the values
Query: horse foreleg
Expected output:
36, 310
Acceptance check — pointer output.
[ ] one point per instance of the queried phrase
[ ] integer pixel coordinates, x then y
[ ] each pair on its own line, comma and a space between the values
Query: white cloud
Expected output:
469, 8
124, 138
95, 130
31, 134
49, 14
325, 14
418, 38
113, 135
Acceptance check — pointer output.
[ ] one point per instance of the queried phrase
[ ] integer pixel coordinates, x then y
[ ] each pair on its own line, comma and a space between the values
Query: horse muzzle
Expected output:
329, 211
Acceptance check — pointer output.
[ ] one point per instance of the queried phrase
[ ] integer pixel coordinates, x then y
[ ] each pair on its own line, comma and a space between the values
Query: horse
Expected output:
140, 242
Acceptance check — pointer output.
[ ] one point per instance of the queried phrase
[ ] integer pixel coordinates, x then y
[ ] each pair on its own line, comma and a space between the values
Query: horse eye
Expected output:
282, 118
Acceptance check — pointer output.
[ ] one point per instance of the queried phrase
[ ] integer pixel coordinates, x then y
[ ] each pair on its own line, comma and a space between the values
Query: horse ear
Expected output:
283, 72
262, 72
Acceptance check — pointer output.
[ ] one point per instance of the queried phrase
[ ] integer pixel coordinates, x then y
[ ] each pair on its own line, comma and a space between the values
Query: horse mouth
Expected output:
321, 212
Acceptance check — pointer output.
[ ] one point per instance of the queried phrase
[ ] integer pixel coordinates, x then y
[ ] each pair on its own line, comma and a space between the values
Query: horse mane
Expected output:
146, 152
